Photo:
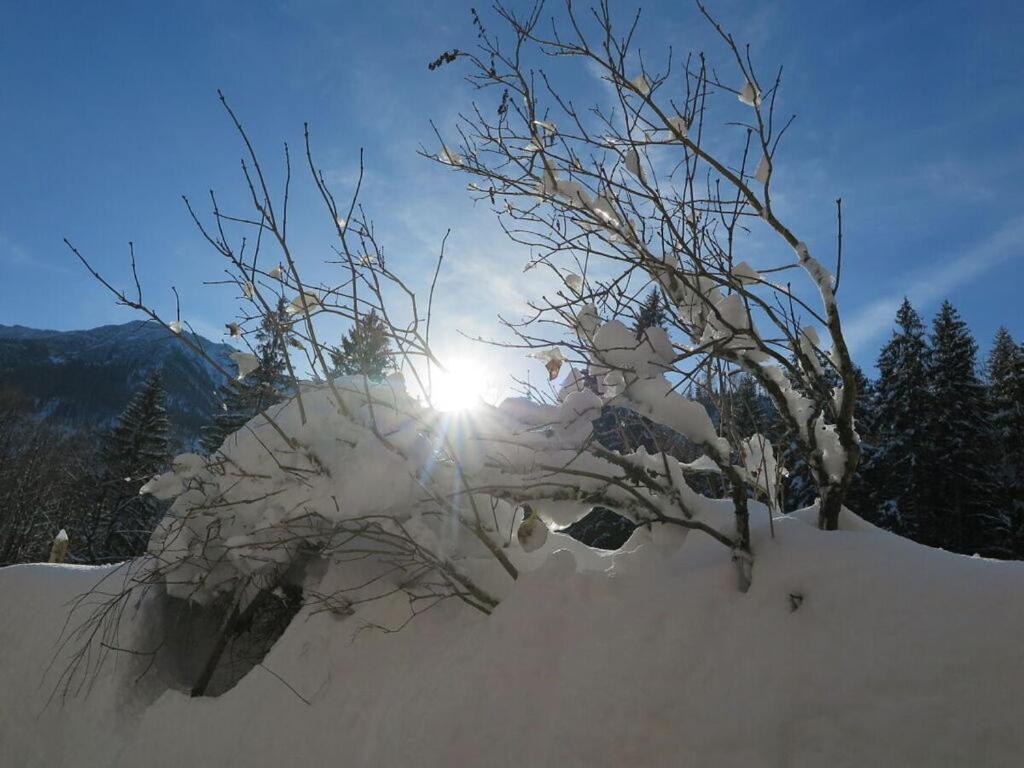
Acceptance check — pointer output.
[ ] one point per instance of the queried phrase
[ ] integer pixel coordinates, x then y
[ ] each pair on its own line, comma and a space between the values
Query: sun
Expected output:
461, 386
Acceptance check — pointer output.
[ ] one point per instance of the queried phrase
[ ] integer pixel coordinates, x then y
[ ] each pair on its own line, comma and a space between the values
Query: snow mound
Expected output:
851, 648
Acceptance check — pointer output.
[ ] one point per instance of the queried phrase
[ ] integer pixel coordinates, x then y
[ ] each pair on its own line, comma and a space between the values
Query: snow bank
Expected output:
851, 648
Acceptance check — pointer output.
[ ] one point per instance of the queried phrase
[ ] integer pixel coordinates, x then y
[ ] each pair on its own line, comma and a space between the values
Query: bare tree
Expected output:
45, 482
647, 191
198, 553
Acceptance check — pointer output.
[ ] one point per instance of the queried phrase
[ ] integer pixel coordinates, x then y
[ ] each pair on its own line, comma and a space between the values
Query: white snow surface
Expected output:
898, 655
850, 648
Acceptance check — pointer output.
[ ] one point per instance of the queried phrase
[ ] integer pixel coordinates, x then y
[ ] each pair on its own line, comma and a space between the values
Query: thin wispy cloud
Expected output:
11, 253
870, 321
14, 256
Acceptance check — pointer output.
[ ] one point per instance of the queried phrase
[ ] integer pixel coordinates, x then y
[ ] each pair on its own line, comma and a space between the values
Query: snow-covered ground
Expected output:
895, 654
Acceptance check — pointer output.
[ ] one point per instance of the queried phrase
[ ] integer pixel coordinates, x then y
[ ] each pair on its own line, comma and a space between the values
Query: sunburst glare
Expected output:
461, 386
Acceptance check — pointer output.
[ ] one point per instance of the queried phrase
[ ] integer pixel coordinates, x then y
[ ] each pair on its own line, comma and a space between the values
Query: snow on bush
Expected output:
339, 469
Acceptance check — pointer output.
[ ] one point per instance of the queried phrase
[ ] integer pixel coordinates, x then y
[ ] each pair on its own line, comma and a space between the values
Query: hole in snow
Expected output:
207, 650
601, 528
250, 637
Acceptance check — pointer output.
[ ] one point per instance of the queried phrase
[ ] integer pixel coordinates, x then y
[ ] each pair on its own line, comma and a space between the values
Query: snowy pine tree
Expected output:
895, 465
365, 350
1005, 373
746, 409
798, 488
134, 450
862, 497
958, 483
651, 314
624, 430
264, 386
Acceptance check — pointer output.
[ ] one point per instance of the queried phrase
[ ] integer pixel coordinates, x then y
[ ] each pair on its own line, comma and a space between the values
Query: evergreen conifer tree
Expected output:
1005, 373
894, 467
862, 497
651, 314
748, 411
265, 385
134, 450
365, 350
799, 489
958, 484
623, 430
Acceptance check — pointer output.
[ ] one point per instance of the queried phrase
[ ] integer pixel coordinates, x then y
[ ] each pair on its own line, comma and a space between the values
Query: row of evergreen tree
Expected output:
943, 447
942, 463
944, 442
942, 438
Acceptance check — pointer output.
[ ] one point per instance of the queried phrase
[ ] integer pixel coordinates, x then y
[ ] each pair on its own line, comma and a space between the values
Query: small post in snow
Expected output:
59, 550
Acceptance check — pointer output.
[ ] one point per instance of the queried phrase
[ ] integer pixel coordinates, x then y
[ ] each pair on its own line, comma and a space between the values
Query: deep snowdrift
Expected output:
896, 655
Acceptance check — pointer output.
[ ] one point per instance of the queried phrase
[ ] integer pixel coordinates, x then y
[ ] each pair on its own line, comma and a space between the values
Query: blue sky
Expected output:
912, 112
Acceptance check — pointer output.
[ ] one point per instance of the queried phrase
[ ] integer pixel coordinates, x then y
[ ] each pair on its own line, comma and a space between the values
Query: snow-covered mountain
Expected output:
84, 379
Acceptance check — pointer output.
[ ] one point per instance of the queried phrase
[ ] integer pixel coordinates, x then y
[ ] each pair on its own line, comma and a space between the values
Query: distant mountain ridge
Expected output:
83, 379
